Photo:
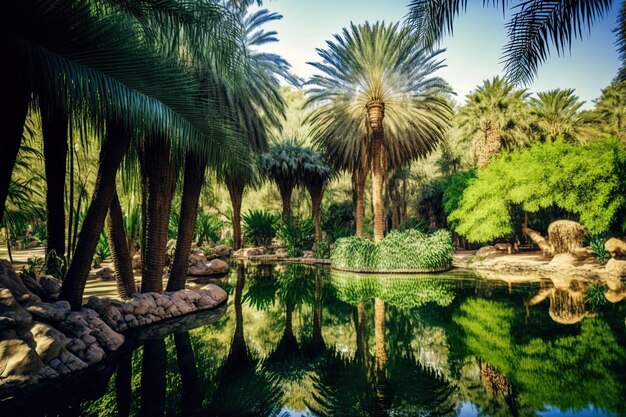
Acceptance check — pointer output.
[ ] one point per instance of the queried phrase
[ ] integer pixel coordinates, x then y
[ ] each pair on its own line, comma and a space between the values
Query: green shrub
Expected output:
208, 227
103, 250
599, 251
410, 249
321, 249
56, 265
338, 220
296, 235
259, 227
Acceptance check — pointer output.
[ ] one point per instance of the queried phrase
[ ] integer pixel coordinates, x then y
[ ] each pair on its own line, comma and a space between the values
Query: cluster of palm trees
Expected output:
157, 86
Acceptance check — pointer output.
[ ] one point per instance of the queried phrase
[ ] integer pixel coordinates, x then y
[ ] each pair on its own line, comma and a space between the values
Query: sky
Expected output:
472, 53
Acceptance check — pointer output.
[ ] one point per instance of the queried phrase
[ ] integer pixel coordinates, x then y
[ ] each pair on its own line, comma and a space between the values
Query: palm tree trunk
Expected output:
54, 124
119, 251
487, 144
153, 378
160, 178
285, 195
316, 192
380, 379
361, 337
115, 145
13, 107
377, 185
235, 190
194, 179
361, 176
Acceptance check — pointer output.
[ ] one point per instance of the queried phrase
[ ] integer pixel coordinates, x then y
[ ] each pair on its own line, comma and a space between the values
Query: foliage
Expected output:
103, 250
296, 235
321, 249
410, 249
208, 227
584, 180
338, 220
594, 296
556, 113
599, 251
259, 227
56, 264
34, 266
453, 188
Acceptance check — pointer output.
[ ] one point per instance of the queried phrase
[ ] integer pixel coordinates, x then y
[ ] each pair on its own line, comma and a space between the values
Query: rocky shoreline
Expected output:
41, 339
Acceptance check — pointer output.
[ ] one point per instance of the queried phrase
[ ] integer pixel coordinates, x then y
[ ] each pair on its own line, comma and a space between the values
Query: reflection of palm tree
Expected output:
567, 304
318, 339
381, 403
361, 335
153, 378
123, 387
191, 400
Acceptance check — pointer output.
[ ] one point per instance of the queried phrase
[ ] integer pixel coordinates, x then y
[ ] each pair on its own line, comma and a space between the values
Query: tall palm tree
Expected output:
315, 176
611, 109
494, 115
535, 29
378, 85
556, 113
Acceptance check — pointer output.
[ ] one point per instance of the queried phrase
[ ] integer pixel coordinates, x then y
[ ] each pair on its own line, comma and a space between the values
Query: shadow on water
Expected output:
301, 340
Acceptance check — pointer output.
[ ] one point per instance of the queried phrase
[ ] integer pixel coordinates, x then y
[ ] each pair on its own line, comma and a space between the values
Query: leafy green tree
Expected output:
315, 177
378, 100
536, 27
584, 180
494, 116
611, 109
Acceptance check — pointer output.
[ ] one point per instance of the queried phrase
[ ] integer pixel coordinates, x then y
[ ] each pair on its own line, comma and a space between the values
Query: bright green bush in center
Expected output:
406, 250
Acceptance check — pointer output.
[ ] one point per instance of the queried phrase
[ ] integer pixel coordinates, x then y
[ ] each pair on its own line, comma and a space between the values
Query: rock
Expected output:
49, 341
616, 247
238, 253
216, 293
32, 244
254, 251
616, 267
18, 359
217, 266
487, 251
307, 254
10, 281
281, 253
223, 251
564, 261
197, 256
12, 315
32, 284
504, 247
56, 311
105, 273
50, 286
136, 262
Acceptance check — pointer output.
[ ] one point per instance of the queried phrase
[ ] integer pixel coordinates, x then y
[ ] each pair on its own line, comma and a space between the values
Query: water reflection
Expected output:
300, 340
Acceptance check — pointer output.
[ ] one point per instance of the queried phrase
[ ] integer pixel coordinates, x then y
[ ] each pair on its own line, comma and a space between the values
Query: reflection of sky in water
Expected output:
468, 410
590, 411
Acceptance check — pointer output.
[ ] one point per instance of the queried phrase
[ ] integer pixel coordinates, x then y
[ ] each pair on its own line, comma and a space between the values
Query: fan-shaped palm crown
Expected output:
370, 68
557, 114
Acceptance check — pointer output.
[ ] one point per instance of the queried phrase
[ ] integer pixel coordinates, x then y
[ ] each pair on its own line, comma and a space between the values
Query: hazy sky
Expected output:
472, 52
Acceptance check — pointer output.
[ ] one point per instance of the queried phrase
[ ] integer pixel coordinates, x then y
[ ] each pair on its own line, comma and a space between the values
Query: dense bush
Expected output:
296, 234
321, 249
338, 220
407, 250
259, 227
587, 181
208, 228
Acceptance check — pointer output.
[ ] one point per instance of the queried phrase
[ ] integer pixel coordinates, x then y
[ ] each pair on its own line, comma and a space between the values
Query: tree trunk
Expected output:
285, 194
160, 174
13, 107
114, 147
153, 378
377, 185
119, 251
487, 144
235, 190
361, 176
316, 193
194, 179
54, 124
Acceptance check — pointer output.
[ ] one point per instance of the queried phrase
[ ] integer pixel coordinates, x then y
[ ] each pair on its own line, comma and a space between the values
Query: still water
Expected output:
301, 340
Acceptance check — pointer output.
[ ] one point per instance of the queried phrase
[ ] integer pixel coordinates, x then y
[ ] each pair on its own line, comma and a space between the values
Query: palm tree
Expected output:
315, 176
611, 109
494, 116
378, 94
556, 113
536, 27
120, 251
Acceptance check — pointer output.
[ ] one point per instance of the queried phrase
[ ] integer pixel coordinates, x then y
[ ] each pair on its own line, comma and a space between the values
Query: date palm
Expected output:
494, 116
377, 96
536, 28
611, 109
557, 113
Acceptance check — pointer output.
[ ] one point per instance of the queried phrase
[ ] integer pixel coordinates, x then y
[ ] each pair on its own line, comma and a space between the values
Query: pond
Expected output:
301, 340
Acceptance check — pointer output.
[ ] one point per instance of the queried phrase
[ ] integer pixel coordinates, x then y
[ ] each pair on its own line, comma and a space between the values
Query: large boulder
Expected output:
616, 247
217, 266
223, 251
50, 286
12, 314
616, 267
487, 251
18, 359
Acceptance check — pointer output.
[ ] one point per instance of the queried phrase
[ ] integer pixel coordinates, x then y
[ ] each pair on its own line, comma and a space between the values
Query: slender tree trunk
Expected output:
285, 195
361, 337
361, 176
382, 398
316, 192
115, 145
377, 185
191, 401
487, 144
194, 179
123, 384
235, 190
8, 236
160, 173
119, 251
13, 107
54, 124
153, 378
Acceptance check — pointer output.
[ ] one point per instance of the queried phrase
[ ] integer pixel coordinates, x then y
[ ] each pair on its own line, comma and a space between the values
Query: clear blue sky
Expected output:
472, 52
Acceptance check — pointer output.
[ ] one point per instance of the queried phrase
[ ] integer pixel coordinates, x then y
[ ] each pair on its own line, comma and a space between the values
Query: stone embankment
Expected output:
42, 339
